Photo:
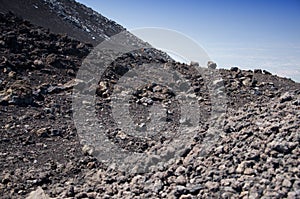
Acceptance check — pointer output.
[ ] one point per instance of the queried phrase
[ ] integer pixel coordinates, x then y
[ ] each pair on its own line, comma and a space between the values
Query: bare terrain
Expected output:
256, 154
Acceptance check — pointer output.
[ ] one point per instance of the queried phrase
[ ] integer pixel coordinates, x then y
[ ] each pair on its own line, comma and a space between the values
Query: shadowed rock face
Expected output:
255, 156
64, 16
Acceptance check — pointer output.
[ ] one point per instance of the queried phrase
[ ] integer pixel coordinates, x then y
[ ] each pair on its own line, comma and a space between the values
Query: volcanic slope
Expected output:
256, 153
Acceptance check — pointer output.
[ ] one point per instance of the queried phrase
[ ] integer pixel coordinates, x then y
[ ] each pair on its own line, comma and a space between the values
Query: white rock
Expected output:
218, 82
38, 194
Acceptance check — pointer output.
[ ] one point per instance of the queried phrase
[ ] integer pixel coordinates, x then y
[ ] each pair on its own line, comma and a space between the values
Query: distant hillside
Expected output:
64, 16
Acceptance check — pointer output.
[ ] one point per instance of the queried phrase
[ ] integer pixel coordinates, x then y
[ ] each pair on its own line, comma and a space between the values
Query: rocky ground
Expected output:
256, 154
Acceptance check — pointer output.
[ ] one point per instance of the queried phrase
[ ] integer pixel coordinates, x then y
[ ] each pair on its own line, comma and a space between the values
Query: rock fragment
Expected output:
211, 65
38, 194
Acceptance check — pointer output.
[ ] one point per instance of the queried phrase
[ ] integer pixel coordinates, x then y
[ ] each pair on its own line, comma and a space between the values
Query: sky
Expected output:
249, 34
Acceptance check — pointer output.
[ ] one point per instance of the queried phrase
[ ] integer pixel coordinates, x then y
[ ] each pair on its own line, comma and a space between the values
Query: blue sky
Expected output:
249, 34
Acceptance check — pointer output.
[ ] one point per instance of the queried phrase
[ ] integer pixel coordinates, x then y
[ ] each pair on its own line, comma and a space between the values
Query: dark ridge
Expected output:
64, 17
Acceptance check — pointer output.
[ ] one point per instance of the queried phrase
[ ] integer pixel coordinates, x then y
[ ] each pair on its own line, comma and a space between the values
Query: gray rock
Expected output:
212, 186
180, 180
194, 63
42, 132
211, 65
234, 69
6, 178
194, 189
281, 147
240, 168
286, 97
286, 183
187, 196
146, 101
87, 150
218, 83
180, 170
158, 185
267, 72
249, 171
257, 71
180, 190
293, 194
38, 194
38, 62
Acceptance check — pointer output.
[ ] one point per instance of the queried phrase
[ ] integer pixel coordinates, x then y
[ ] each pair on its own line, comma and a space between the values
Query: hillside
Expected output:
254, 155
64, 17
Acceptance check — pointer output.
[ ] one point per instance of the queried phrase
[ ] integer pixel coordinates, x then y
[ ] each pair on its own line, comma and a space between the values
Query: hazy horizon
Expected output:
247, 34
